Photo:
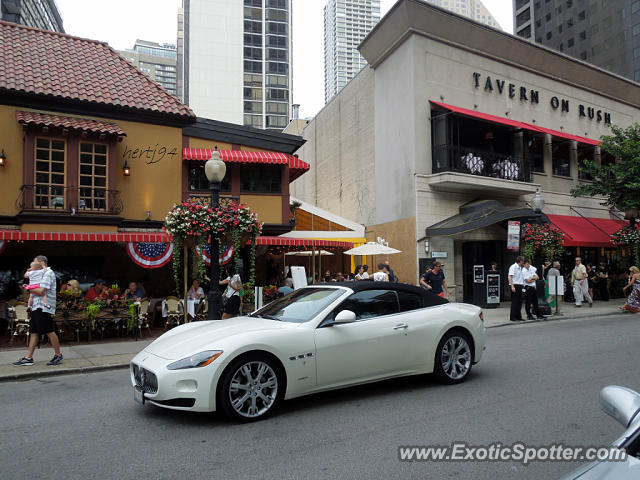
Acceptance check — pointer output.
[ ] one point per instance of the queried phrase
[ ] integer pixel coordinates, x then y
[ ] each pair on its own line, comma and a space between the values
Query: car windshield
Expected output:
299, 306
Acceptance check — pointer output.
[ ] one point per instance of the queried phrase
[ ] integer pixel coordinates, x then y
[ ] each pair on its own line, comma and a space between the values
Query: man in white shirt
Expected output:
580, 284
530, 296
516, 282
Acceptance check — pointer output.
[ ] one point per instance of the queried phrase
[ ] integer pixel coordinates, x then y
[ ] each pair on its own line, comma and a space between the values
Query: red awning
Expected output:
17, 235
296, 166
515, 123
586, 232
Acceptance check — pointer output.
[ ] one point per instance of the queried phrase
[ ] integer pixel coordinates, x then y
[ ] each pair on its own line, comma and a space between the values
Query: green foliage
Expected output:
618, 182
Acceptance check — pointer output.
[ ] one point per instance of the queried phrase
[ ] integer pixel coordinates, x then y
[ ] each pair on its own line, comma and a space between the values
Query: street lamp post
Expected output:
537, 204
215, 170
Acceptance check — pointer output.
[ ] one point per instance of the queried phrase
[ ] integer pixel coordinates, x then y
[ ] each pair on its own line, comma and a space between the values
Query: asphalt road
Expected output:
537, 383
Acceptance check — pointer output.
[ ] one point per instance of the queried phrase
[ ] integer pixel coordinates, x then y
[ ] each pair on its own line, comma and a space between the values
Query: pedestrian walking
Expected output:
516, 282
580, 284
529, 275
381, 275
434, 280
591, 279
41, 322
633, 300
390, 272
603, 282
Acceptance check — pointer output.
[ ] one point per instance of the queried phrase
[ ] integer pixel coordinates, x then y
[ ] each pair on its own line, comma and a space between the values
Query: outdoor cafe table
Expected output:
75, 320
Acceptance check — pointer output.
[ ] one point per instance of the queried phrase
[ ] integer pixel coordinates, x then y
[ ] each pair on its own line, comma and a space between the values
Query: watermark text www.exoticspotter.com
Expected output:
516, 452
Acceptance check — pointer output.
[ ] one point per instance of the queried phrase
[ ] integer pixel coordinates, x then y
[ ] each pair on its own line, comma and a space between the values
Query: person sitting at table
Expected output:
74, 285
195, 293
97, 292
134, 292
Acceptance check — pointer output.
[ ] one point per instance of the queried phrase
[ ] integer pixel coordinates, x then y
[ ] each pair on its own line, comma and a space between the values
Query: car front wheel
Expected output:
453, 358
251, 387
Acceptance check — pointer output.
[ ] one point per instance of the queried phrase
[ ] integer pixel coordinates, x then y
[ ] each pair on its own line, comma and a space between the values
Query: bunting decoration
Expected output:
150, 255
225, 256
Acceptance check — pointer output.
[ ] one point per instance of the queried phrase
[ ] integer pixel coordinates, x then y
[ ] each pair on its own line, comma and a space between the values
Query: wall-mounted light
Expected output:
426, 246
148, 219
126, 170
3, 158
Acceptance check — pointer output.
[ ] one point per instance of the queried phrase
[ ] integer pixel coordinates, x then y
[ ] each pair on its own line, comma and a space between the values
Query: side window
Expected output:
370, 303
409, 301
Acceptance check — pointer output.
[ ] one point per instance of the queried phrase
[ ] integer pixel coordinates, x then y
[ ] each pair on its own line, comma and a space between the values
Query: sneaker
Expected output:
590, 304
23, 361
56, 360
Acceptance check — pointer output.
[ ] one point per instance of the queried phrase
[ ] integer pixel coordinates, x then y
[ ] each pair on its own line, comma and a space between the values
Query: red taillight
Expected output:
481, 316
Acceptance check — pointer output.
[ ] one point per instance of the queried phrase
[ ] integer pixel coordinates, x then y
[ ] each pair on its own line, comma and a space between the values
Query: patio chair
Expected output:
143, 316
21, 322
173, 313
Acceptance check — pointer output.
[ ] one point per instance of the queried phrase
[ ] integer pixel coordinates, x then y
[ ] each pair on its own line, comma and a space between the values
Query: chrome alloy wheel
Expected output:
456, 357
253, 389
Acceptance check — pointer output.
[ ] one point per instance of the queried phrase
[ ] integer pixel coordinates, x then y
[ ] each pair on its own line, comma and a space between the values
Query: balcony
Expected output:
205, 198
473, 170
53, 198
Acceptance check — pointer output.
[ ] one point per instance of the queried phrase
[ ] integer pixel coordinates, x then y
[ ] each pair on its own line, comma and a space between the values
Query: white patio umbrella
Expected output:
372, 248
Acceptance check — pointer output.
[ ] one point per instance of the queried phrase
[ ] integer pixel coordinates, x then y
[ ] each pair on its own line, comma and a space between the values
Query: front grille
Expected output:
145, 379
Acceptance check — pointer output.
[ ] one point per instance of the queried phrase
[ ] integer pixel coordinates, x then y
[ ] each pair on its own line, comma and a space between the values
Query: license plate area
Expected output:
138, 395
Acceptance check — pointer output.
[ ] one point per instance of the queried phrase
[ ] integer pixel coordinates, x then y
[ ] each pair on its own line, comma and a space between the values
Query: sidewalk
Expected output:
84, 358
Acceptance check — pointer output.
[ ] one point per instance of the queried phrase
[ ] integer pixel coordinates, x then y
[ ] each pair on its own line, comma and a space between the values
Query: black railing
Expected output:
205, 198
452, 158
69, 199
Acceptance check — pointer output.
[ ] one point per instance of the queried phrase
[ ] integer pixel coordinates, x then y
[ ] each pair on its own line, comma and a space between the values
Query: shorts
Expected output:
233, 305
40, 322
441, 294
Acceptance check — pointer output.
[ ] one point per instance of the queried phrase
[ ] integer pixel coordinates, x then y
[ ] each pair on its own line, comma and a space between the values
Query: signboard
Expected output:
493, 288
438, 254
478, 274
556, 285
513, 236
299, 277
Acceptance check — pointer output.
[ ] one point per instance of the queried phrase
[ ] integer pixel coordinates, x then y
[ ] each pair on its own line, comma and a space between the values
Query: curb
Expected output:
62, 371
553, 318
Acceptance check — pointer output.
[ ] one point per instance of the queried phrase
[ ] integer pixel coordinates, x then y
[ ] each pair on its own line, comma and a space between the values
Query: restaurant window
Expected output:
585, 152
261, 179
606, 159
93, 176
198, 179
535, 152
560, 155
49, 173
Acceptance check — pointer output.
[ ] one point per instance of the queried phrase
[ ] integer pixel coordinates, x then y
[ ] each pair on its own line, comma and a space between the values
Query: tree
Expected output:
619, 182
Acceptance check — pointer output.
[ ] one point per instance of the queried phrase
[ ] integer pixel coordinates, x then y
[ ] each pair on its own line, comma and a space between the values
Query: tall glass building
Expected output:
234, 60
157, 60
42, 14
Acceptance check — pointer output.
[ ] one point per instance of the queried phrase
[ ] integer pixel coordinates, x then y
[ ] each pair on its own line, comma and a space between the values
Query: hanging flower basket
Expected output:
545, 238
628, 236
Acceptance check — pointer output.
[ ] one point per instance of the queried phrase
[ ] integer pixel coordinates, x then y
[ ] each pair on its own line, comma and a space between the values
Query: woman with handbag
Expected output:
633, 301
231, 295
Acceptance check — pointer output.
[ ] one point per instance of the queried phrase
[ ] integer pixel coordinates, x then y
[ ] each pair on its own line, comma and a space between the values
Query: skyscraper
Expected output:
346, 23
473, 9
42, 14
605, 33
156, 60
234, 60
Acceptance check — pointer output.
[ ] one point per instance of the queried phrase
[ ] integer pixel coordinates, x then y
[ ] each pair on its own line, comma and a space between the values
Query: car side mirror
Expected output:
345, 316
621, 403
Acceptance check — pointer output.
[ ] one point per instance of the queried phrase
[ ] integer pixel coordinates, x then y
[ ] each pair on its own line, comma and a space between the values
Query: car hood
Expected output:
196, 337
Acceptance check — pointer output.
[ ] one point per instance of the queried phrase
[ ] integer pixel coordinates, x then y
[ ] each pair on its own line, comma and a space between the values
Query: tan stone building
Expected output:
449, 113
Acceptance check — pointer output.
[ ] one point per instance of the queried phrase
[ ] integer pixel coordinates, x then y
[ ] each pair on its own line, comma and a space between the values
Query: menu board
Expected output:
493, 288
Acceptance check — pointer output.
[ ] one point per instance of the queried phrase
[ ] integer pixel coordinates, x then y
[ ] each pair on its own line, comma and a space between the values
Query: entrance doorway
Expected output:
483, 253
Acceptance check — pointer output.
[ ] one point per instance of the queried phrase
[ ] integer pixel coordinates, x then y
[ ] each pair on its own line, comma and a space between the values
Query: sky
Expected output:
124, 21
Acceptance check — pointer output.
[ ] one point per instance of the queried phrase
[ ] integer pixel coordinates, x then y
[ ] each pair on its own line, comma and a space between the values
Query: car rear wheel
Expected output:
251, 388
454, 358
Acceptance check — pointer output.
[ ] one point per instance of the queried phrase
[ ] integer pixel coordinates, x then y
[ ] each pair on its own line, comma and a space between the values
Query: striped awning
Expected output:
296, 166
17, 235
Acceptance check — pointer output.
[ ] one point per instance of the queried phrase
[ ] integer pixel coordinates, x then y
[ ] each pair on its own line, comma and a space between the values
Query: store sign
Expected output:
438, 254
493, 288
478, 274
513, 236
501, 87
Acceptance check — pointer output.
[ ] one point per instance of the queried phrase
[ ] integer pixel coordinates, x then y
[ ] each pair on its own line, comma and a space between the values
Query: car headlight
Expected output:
201, 359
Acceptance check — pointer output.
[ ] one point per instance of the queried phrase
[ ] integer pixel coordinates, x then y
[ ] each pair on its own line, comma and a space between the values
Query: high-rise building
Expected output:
156, 60
604, 33
234, 60
473, 9
346, 23
42, 14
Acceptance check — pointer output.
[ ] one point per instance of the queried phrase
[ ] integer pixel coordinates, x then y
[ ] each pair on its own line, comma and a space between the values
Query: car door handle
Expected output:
400, 326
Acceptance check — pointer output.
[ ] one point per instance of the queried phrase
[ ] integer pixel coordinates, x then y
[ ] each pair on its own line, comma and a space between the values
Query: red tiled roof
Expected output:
70, 123
48, 63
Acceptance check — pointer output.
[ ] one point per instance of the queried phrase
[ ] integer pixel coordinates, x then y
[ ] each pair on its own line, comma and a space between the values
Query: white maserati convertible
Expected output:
316, 338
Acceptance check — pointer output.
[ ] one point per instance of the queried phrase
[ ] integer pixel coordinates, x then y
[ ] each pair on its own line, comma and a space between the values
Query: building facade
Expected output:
240, 73
346, 23
449, 132
606, 34
42, 14
158, 61
473, 9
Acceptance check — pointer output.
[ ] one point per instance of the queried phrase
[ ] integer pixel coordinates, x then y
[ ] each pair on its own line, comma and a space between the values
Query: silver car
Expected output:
622, 404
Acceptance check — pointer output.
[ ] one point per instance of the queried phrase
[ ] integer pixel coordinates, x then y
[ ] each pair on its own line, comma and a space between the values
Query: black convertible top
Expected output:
429, 299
